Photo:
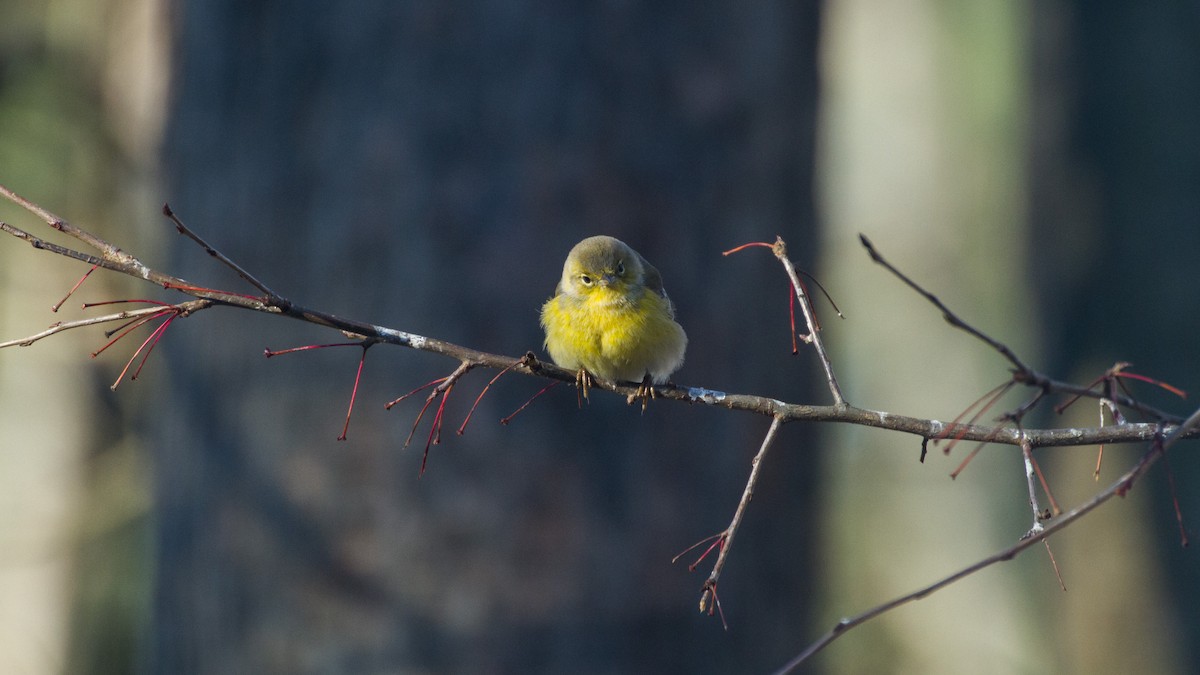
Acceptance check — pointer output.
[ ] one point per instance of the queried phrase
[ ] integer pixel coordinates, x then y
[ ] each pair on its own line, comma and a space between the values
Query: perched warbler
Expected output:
611, 318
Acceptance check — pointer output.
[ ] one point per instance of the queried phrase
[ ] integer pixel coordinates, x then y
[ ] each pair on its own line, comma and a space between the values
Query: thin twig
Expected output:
708, 596
241, 272
185, 308
58, 305
362, 359
950, 317
800, 292
779, 248
108, 252
1027, 455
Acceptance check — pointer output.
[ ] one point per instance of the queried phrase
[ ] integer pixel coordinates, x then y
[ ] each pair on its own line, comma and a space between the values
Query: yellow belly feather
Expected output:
614, 337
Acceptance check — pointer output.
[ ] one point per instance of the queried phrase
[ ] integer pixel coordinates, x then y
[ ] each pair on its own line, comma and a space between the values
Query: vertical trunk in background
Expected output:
922, 151
1115, 210
427, 168
73, 503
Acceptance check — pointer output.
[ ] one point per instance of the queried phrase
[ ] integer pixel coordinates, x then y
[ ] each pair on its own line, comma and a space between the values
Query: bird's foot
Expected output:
644, 392
583, 382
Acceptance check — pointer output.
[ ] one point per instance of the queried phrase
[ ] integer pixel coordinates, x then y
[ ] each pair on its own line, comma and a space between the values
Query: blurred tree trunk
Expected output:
73, 489
1115, 209
922, 151
428, 167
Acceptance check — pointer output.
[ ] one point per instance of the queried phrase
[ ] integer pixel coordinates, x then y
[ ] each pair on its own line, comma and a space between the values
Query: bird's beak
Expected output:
607, 279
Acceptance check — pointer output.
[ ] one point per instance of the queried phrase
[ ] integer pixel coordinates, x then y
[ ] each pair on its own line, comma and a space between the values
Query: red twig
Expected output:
525, 405
717, 539
189, 288
1183, 535
1055, 510
975, 451
1054, 564
521, 361
59, 304
443, 388
132, 326
292, 350
987, 401
354, 392
151, 340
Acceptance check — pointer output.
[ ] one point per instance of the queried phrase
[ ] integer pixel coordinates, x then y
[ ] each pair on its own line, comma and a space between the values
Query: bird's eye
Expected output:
620, 268
585, 280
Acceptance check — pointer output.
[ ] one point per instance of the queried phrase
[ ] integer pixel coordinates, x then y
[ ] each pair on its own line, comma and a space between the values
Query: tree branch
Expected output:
1118, 488
113, 258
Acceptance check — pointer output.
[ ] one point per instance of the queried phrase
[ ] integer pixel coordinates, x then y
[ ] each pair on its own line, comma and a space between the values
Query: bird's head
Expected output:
602, 267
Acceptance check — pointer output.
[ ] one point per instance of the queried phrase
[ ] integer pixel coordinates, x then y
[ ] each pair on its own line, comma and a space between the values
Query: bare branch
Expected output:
1030, 475
708, 596
779, 248
1163, 433
780, 251
788, 412
1119, 487
55, 248
838, 413
183, 308
186, 231
950, 317
109, 253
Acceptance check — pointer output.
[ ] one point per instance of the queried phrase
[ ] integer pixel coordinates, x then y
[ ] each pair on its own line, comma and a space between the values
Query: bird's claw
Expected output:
645, 392
583, 382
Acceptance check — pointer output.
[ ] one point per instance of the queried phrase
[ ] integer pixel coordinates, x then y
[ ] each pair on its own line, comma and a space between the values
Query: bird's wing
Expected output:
651, 278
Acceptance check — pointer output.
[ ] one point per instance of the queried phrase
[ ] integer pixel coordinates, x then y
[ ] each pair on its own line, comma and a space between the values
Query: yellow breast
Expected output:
614, 337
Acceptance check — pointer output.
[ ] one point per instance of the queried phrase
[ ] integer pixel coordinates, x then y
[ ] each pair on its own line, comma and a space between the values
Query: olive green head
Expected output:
602, 265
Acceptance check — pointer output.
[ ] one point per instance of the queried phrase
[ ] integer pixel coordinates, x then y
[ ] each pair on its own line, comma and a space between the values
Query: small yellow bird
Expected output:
611, 318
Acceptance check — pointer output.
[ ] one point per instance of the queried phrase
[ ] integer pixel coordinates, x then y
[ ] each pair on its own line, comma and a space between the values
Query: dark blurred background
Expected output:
427, 167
